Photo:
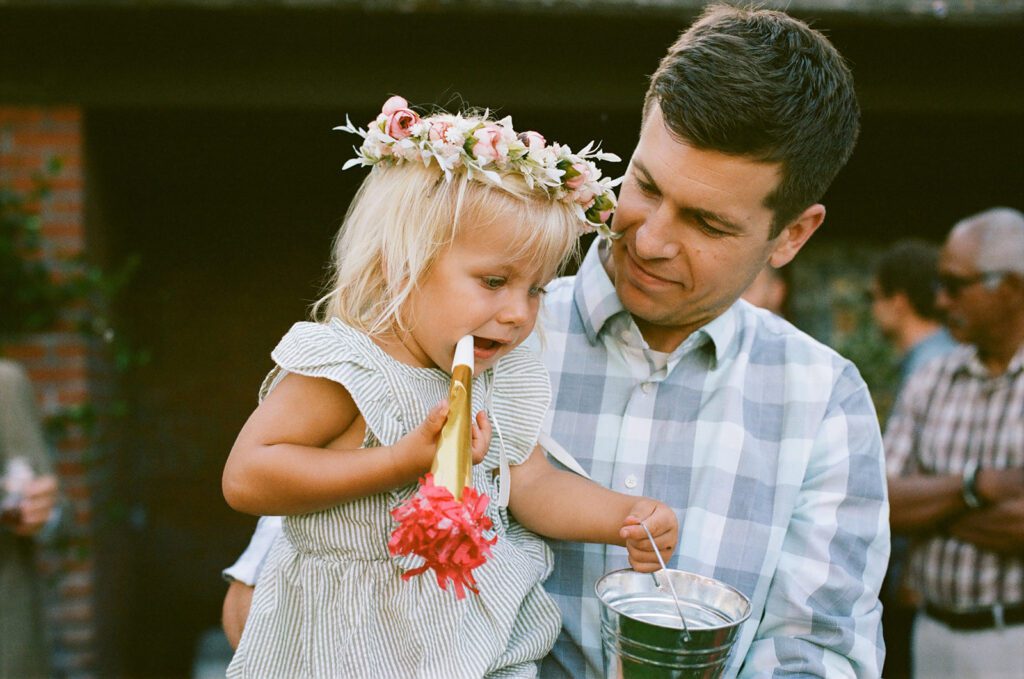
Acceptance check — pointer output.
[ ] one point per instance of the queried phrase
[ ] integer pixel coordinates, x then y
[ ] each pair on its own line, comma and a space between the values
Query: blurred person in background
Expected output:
29, 501
903, 304
955, 455
771, 290
903, 307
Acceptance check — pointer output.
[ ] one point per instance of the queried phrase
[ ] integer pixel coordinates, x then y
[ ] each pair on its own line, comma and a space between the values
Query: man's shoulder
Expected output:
560, 290
559, 300
938, 370
767, 335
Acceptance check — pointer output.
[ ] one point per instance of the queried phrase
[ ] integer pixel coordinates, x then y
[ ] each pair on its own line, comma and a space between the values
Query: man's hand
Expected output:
38, 500
664, 527
999, 528
236, 609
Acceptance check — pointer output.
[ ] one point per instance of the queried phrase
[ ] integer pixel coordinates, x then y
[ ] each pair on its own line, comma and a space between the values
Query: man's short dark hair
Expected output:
763, 85
910, 267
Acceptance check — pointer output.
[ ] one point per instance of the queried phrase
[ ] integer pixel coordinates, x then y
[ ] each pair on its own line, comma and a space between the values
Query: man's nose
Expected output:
655, 237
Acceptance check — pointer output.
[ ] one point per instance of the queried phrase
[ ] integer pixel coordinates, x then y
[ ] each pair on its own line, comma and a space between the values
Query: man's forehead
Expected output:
960, 250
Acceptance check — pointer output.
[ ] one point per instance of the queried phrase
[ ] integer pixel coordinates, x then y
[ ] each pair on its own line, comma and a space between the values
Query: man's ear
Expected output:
795, 234
901, 301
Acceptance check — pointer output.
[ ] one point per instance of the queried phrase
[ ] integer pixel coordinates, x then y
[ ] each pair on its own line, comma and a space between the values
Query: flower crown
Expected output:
487, 150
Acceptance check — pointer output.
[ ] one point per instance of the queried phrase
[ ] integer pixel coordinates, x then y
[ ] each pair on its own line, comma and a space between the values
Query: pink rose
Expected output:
400, 121
438, 130
579, 178
533, 140
584, 197
393, 105
488, 144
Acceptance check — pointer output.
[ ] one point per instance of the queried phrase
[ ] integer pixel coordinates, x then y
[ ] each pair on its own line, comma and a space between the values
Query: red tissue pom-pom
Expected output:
446, 532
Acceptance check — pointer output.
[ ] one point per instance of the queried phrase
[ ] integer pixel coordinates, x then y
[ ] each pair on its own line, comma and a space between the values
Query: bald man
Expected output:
955, 458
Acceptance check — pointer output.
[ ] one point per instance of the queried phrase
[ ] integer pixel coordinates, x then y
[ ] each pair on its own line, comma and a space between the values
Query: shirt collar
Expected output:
969, 362
597, 303
594, 293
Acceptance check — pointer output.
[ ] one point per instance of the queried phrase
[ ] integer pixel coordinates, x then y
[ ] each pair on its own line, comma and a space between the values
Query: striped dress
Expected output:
331, 602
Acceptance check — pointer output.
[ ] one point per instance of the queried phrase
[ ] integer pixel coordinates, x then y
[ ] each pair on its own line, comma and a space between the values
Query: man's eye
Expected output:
710, 230
493, 282
648, 189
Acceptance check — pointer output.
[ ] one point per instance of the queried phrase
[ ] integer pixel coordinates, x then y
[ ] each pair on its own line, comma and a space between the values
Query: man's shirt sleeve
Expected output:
901, 429
822, 616
247, 568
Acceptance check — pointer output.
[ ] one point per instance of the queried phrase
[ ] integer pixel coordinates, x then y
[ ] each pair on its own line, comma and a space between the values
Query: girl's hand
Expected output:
480, 434
664, 527
414, 452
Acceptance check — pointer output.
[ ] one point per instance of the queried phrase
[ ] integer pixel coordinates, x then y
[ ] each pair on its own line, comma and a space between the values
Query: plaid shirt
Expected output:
953, 411
765, 443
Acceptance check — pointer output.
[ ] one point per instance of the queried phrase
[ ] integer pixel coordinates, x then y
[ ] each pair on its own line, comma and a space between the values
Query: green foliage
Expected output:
830, 281
29, 299
32, 297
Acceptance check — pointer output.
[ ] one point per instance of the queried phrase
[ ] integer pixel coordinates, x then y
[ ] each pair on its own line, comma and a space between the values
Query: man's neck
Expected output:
662, 338
996, 355
914, 330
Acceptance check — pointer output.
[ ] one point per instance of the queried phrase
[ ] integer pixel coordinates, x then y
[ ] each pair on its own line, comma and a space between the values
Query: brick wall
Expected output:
60, 363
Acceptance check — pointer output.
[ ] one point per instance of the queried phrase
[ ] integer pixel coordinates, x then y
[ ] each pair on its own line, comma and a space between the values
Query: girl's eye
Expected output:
537, 291
493, 282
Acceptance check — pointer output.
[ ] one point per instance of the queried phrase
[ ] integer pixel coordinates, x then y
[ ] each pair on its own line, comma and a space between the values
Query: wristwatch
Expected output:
969, 487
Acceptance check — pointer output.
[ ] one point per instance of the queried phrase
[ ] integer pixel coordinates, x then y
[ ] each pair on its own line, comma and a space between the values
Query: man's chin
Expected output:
958, 333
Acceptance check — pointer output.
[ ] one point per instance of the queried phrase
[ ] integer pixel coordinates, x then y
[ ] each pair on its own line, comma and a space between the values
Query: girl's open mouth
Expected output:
484, 348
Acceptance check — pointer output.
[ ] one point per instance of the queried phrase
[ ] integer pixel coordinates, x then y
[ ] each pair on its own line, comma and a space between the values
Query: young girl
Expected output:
456, 230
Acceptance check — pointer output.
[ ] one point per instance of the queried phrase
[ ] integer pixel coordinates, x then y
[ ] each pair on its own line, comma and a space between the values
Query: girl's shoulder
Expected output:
331, 350
308, 345
521, 396
522, 368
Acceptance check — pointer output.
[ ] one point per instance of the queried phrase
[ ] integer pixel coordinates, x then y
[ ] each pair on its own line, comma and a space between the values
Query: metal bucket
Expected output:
643, 637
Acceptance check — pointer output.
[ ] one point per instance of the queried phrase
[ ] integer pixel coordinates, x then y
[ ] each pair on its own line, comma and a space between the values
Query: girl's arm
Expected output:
565, 506
300, 452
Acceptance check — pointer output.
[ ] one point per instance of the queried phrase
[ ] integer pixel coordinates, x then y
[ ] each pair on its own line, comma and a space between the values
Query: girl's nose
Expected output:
516, 311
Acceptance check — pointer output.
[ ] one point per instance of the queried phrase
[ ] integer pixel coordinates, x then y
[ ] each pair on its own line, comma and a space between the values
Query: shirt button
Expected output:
647, 387
630, 481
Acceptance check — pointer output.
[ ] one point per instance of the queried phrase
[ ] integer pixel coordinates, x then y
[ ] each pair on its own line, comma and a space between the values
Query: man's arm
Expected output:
999, 527
822, 616
922, 502
243, 575
237, 603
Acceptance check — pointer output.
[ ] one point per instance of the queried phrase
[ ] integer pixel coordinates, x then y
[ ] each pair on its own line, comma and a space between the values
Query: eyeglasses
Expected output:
954, 285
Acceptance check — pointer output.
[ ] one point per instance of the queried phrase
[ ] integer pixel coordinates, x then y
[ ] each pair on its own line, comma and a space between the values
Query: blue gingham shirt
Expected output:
766, 444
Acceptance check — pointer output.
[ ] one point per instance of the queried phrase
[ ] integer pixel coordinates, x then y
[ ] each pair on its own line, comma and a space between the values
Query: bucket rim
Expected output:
718, 583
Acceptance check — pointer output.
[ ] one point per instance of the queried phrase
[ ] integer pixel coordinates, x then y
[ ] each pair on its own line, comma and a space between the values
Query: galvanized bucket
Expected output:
643, 637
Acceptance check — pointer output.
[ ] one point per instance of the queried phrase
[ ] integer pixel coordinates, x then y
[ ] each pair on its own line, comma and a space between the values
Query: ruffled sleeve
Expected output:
342, 354
521, 394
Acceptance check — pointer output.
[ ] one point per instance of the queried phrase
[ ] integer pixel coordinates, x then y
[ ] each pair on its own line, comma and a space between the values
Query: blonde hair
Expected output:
401, 219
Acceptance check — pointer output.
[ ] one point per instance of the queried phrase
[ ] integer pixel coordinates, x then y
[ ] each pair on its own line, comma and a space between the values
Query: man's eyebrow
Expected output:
706, 215
647, 178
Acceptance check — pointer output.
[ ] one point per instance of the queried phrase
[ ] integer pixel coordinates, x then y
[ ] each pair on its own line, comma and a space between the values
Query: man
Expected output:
903, 304
955, 447
770, 290
903, 307
764, 441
